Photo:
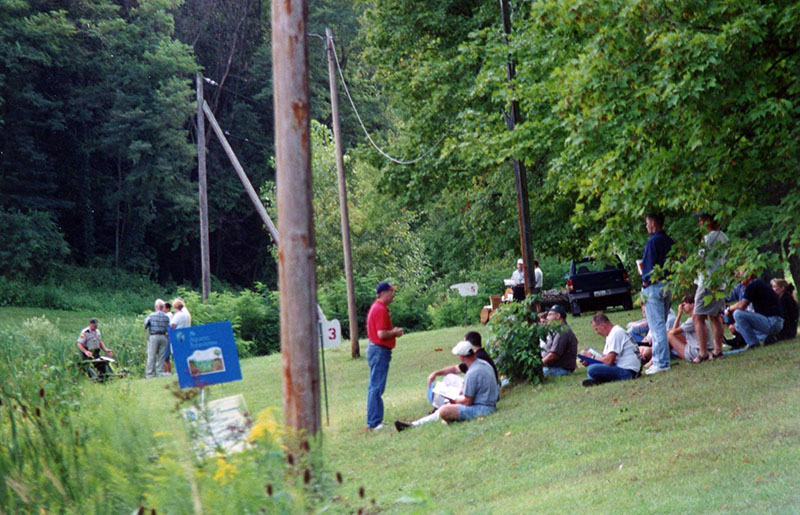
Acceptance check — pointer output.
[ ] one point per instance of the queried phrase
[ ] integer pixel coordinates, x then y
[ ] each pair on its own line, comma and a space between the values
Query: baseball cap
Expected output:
519, 261
384, 286
558, 308
463, 348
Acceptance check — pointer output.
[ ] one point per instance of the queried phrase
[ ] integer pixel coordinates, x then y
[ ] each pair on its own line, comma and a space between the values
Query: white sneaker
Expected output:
654, 369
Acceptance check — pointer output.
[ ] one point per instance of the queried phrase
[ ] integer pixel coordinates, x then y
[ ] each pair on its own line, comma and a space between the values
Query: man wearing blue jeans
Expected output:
620, 359
767, 317
657, 297
382, 335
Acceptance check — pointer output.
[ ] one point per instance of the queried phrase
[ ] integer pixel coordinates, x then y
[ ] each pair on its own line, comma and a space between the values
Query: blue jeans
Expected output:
378, 358
555, 371
474, 411
608, 373
657, 299
752, 326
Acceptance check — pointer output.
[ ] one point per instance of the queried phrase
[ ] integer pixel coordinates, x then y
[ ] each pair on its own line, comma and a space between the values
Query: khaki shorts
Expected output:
701, 307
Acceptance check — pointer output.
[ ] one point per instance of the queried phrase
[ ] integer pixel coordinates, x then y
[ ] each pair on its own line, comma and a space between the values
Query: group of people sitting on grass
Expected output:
765, 316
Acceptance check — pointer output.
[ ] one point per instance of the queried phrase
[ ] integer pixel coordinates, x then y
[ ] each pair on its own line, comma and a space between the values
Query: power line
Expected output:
358, 116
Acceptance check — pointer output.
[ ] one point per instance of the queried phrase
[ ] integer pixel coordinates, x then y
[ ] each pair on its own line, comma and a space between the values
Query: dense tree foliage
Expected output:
94, 101
629, 106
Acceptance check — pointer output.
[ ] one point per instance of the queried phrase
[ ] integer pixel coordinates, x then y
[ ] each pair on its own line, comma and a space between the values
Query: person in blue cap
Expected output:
382, 339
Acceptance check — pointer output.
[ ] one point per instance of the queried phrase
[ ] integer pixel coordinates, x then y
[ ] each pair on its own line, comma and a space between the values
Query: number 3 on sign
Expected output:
331, 333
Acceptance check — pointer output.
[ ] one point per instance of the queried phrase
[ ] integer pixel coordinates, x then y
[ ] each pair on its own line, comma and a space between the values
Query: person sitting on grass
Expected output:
784, 291
561, 348
764, 324
474, 338
478, 398
646, 345
683, 338
620, 359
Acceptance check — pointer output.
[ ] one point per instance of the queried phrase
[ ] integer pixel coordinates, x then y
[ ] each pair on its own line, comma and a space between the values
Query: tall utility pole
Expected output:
296, 263
343, 214
520, 177
205, 260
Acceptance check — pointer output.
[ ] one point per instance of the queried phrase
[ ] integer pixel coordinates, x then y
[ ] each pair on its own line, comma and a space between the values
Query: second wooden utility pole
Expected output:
355, 351
296, 262
205, 260
520, 177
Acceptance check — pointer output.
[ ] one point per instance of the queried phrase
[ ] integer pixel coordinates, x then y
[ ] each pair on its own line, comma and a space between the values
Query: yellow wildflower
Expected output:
225, 471
266, 427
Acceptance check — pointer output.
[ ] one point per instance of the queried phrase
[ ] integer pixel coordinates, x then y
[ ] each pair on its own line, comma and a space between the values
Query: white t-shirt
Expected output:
518, 276
537, 273
182, 319
620, 342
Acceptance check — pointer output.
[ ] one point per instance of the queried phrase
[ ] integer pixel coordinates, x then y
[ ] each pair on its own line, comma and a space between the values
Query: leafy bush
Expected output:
255, 317
514, 341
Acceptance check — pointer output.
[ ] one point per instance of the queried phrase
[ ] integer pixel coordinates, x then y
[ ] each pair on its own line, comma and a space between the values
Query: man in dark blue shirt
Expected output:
767, 318
657, 298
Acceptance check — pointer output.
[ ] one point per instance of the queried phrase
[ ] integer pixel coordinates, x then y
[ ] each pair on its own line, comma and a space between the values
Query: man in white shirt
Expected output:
538, 276
518, 275
620, 359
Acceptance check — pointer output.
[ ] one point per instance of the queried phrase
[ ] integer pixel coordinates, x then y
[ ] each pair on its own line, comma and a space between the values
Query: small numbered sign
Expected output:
466, 289
331, 333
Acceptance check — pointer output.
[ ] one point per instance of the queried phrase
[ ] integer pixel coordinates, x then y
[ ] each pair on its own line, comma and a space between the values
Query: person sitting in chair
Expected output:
90, 343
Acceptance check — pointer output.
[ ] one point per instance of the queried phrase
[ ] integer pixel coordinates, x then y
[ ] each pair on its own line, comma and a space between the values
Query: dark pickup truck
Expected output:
596, 285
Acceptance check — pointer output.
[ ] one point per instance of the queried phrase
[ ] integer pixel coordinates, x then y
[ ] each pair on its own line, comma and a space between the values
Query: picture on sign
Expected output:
205, 354
206, 361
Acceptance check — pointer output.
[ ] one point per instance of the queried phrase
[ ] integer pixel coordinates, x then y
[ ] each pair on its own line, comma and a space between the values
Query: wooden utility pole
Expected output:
205, 260
296, 263
355, 351
520, 177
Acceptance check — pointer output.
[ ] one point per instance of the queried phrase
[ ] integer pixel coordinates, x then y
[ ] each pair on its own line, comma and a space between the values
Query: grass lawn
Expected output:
716, 437
720, 436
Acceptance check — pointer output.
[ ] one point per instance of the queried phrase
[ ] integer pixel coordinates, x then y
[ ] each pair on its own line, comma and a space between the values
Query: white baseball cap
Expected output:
463, 348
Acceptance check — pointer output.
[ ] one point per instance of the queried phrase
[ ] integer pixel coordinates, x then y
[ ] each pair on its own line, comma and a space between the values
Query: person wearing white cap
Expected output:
478, 399
518, 275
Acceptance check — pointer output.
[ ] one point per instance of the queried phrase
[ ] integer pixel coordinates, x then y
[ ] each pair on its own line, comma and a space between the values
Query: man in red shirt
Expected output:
382, 335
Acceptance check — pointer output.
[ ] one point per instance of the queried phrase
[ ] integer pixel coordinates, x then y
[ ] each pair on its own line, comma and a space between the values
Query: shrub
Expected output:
253, 315
514, 341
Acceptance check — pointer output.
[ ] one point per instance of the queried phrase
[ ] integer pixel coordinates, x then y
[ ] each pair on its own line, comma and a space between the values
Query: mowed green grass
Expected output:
717, 437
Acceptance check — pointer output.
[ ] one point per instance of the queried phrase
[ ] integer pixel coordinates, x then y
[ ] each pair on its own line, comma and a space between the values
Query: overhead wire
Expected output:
366, 132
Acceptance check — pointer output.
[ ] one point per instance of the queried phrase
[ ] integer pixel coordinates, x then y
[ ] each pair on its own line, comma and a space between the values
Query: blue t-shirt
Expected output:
764, 300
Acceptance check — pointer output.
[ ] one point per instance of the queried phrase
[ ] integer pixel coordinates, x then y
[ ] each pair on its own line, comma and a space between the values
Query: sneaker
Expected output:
590, 382
769, 340
737, 342
376, 428
401, 426
655, 369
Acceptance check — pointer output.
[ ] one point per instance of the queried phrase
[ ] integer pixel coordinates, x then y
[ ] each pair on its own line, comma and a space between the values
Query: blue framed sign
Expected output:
205, 354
